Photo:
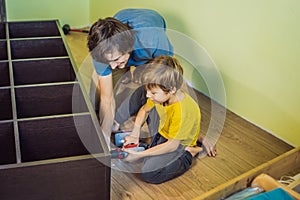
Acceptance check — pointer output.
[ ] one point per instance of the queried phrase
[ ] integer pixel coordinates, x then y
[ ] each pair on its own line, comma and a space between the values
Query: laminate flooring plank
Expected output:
269, 141
124, 186
244, 133
202, 177
77, 43
226, 164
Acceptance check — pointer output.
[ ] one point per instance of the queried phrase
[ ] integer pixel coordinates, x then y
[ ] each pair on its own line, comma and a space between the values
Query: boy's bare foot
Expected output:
193, 150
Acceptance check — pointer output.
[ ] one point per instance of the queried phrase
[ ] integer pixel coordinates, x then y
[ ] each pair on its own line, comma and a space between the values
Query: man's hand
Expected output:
132, 155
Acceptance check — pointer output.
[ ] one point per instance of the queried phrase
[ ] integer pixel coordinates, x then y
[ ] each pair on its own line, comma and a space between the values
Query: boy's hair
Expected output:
109, 35
164, 72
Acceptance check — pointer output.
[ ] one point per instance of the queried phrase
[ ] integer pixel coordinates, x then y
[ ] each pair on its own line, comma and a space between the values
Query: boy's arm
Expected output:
139, 121
166, 147
142, 115
169, 146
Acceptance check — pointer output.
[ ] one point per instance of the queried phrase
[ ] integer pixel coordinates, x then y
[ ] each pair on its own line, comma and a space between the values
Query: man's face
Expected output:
117, 59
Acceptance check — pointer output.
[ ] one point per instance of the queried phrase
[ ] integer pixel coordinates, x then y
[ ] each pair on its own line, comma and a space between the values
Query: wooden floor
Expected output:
241, 147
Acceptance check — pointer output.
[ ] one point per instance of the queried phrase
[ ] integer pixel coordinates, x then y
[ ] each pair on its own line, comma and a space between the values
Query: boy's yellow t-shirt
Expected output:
179, 121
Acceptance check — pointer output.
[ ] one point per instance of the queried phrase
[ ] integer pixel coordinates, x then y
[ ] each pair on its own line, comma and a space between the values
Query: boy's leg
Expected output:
158, 169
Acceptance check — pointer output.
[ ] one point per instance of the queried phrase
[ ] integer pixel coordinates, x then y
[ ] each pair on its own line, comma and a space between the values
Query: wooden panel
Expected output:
80, 179
279, 166
2, 31
49, 134
48, 100
4, 74
2, 11
56, 138
37, 48
3, 50
7, 143
43, 71
33, 29
5, 104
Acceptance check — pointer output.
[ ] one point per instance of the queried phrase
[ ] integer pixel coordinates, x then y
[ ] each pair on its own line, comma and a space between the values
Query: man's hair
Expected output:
109, 35
164, 72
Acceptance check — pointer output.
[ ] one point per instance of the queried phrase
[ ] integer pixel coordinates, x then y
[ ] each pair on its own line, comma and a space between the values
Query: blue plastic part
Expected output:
120, 137
137, 149
275, 194
118, 153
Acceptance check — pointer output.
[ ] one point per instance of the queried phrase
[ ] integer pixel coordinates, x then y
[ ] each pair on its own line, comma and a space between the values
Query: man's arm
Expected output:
107, 105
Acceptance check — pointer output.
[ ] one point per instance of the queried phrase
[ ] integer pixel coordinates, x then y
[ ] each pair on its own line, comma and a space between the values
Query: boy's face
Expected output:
117, 59
157, 95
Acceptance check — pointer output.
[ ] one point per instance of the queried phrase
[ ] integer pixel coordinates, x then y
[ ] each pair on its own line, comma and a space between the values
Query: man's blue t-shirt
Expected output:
150, 38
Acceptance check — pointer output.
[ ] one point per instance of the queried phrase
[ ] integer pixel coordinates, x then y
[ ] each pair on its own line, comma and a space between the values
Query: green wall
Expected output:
255, 45
72, 12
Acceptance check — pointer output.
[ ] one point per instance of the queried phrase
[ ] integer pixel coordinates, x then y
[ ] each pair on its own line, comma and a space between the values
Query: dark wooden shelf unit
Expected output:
51, 146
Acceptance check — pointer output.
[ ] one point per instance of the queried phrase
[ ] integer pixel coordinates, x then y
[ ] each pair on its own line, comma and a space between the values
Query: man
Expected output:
130, 38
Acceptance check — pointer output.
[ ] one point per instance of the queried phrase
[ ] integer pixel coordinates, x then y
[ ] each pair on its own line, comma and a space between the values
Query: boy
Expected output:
173, 147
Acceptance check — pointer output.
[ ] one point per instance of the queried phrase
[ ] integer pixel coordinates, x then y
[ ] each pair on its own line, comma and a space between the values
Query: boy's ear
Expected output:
173, 91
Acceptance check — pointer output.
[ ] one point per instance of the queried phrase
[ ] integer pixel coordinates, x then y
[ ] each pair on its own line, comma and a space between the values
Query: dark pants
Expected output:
131, 105
161, 168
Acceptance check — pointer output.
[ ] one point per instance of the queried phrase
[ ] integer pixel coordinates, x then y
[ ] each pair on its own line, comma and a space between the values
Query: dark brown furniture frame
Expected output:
51, 145
2, 11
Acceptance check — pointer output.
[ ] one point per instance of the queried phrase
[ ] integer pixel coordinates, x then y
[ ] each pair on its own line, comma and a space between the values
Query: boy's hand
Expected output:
131, 140
134, 136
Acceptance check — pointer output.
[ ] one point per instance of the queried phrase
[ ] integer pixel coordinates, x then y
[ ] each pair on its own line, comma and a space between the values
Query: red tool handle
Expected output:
79, 30
132, 145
